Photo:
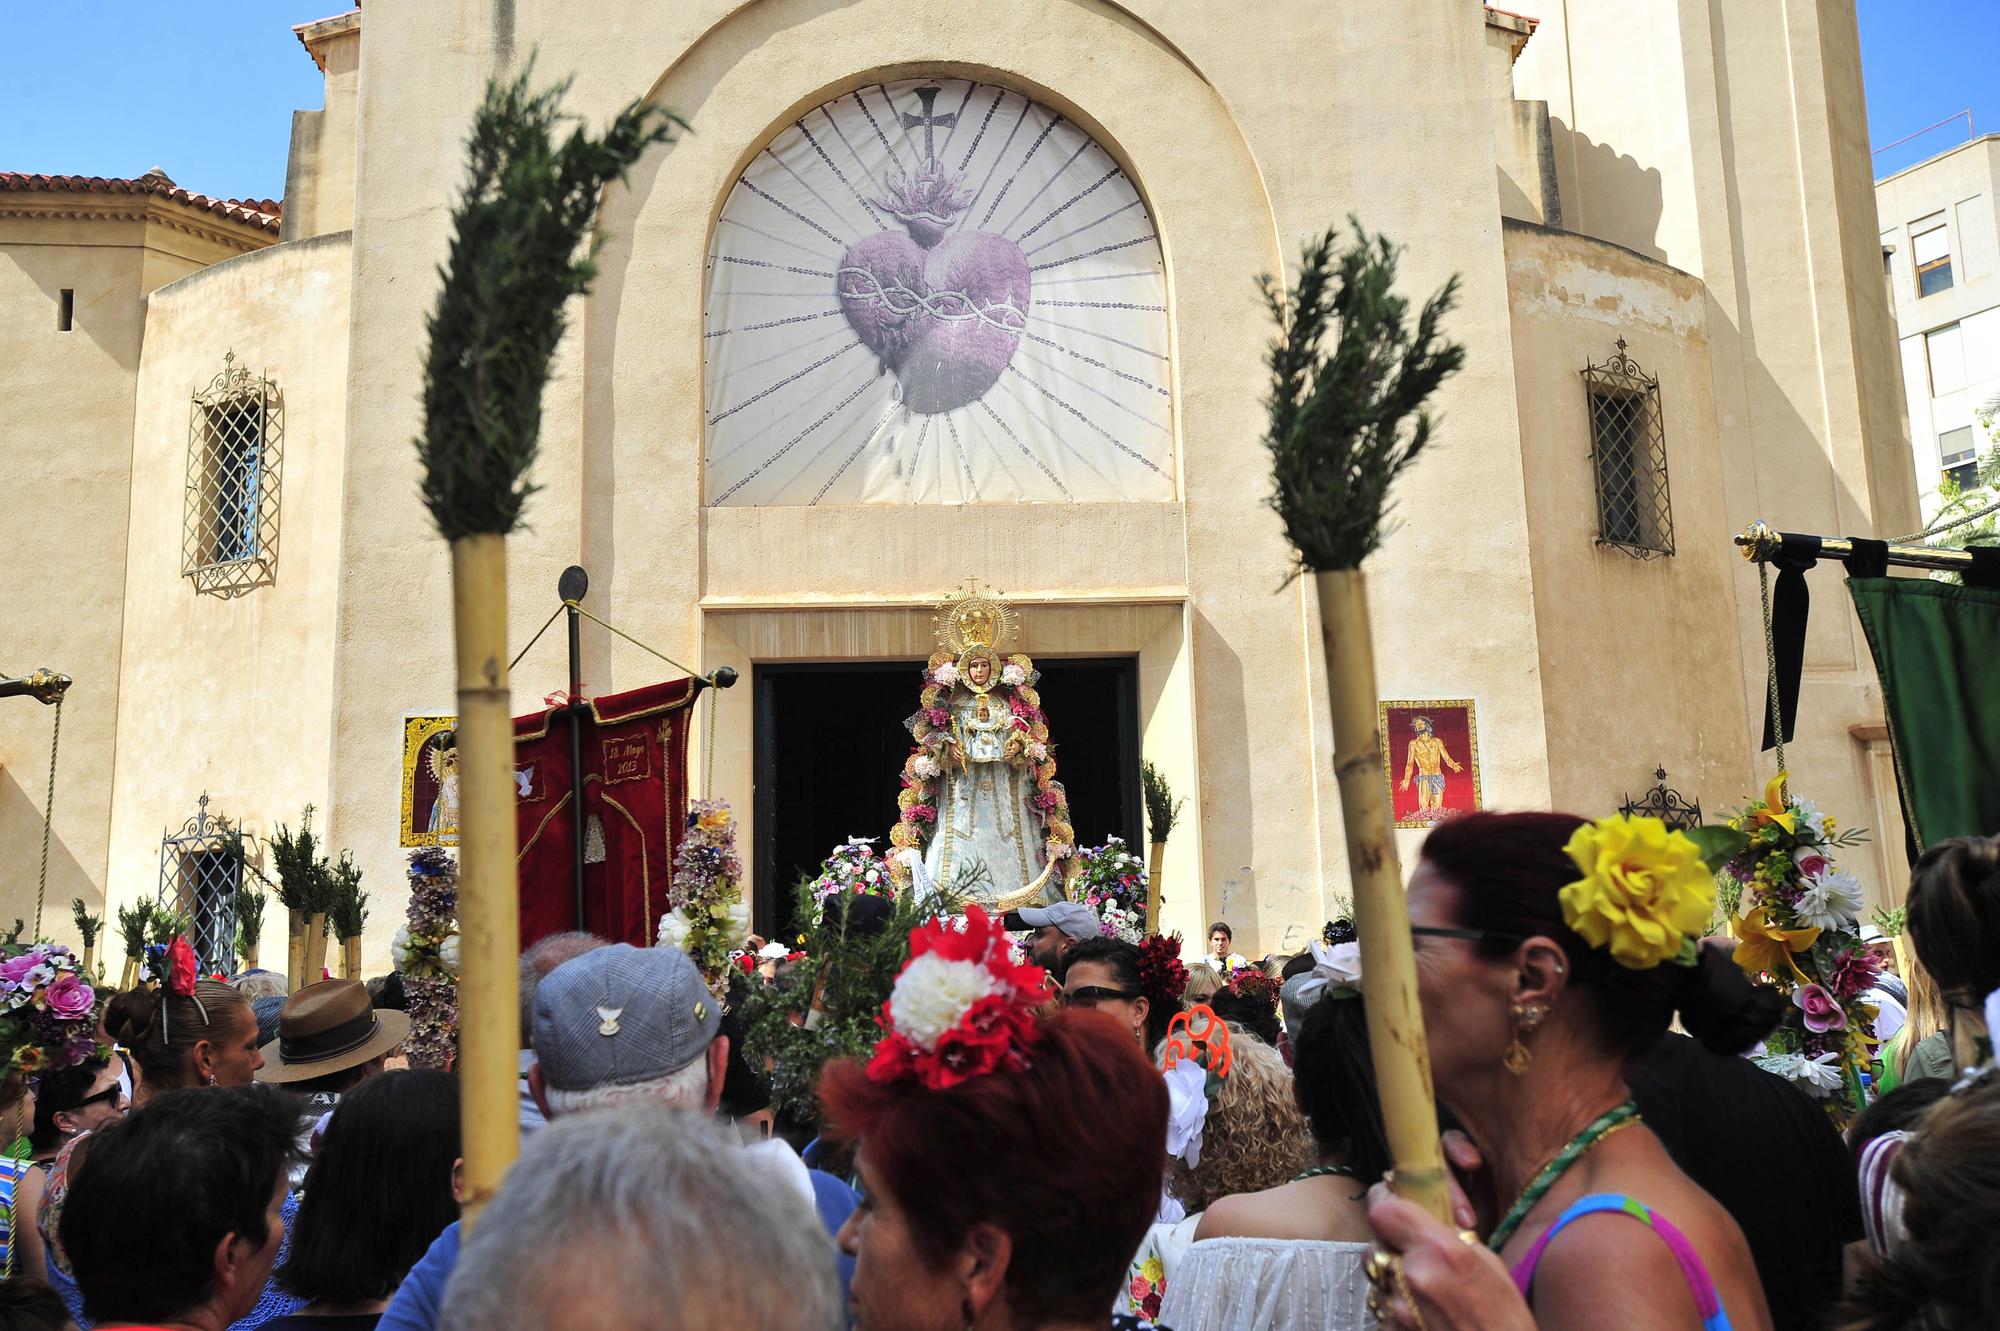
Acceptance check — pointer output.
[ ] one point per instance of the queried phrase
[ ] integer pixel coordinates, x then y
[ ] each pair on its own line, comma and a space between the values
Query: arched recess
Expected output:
936, 289
749, 77
664, 560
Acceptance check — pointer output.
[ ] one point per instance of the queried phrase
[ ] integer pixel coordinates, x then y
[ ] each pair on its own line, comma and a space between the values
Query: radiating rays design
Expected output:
800, 410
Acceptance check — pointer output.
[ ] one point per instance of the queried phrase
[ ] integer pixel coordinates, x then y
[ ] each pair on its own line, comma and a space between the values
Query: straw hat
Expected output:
329, 1027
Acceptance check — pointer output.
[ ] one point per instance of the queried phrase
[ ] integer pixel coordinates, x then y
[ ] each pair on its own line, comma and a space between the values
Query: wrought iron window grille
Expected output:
236, 437
201, 866
1628, 454
1669, 806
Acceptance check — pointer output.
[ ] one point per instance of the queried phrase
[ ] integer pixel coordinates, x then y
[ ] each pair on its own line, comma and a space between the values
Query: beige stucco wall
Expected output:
228, 697
1672, 698
1686, 144
319, 180
69, 401
622, 428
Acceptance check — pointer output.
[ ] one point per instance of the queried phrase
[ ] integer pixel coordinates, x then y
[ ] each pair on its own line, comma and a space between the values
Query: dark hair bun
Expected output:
129, 1016
1722, 1007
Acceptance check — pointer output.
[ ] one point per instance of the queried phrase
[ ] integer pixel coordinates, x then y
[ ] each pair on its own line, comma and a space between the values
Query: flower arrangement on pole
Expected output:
708, 918
1112, 881
48, 1010
426, 952
1796, 916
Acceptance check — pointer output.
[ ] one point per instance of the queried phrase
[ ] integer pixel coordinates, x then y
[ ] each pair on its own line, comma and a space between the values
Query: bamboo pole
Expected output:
129, 977
315, 960
350, 958
249, 952
295, 950
1381, 914
90, 958
1156, 858
488, 919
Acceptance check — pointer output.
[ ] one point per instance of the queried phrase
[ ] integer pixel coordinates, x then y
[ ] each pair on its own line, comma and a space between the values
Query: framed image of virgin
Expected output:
430, 781
1430, 749
935, 291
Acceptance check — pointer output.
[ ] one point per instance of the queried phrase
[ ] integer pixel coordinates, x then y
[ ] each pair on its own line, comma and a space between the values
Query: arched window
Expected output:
936, 291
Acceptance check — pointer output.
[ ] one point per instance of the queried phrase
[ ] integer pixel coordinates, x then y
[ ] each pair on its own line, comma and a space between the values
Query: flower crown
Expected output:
1646, 893
1195, 1060
961, 1007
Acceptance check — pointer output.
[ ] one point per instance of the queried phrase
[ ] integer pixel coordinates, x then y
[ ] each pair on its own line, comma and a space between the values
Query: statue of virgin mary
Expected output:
980, 803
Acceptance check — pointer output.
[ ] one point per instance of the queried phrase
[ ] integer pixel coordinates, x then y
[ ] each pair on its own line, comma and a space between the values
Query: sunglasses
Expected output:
110, 1096
1090, 995
1470, 935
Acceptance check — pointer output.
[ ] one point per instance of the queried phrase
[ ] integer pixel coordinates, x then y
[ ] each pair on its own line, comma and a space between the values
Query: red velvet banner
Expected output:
635, 808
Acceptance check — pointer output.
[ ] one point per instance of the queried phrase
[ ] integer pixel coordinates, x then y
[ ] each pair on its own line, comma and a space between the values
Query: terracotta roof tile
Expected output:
263, 214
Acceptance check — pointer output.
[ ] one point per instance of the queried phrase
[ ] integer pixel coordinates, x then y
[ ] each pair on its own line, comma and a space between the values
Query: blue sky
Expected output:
205, 88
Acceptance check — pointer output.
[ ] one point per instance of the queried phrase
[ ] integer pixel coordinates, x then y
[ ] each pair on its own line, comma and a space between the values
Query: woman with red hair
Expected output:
1008, 1166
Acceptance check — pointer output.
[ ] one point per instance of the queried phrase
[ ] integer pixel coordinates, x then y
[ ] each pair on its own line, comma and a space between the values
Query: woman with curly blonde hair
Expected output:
1249, 1137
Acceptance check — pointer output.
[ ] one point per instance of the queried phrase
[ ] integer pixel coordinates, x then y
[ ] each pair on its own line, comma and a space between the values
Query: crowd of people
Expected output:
1058, 1130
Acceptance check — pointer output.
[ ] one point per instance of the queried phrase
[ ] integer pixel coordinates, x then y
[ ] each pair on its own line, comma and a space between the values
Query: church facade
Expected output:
938, 292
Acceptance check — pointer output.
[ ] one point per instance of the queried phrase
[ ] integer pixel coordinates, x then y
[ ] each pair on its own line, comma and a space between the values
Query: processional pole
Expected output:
47, 687
572, 587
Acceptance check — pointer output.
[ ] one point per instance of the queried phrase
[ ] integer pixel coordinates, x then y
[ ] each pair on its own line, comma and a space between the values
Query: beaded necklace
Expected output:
1321, 1171
1624, 1116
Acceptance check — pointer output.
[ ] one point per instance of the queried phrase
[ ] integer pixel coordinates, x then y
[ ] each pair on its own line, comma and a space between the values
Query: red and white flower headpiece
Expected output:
961, 1007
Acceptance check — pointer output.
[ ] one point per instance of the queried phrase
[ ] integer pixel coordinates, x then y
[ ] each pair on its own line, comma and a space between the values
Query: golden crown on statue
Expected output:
971, 618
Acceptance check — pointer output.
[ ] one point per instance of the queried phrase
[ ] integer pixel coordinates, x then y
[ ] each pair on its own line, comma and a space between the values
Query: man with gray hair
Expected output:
547, 953
639, 1216
617, 1025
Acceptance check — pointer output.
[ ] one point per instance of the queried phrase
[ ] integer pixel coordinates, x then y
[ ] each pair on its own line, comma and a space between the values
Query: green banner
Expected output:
1937, 649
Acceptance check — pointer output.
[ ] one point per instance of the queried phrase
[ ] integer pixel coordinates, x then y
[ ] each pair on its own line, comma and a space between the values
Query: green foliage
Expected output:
1718, 843
1162, 809
88, 926
1970, 502
347, 911
250, 903
1892, 922
851, 974
305, 879
1346, 372
527, 206
165, 926
14, 935
134, 923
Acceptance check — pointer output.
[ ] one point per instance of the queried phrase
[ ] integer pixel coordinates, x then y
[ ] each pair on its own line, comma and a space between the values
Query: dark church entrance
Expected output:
831, 744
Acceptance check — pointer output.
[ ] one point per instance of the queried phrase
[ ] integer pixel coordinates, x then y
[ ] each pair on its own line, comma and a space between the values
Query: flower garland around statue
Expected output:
709, 918
426, 953
854, 869
1796, 915
1111, 880
925, 766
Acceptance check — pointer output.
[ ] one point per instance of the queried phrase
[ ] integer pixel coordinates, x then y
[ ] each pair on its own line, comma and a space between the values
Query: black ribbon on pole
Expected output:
1791, 602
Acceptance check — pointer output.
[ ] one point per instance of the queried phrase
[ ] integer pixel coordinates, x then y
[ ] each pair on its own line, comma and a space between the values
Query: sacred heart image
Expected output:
942, 315
936, 291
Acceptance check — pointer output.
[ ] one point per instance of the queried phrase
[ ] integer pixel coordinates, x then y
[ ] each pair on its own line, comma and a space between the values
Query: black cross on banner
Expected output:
930, 122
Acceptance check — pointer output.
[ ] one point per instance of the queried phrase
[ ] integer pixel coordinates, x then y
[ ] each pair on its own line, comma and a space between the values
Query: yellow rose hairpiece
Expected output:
1646, 893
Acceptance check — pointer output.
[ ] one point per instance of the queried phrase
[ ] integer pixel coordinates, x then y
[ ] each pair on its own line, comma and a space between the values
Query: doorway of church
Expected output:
830, 745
